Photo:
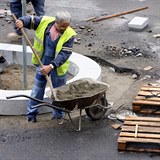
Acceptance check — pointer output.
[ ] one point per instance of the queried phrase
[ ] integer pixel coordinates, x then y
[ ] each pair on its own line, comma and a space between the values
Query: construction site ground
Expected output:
117, 49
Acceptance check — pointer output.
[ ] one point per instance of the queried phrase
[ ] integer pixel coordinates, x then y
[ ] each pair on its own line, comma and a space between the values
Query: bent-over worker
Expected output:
54, 39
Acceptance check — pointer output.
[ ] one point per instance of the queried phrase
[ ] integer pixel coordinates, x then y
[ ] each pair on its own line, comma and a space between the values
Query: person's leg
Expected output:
58, 81
16, 9
37, 92
38, 7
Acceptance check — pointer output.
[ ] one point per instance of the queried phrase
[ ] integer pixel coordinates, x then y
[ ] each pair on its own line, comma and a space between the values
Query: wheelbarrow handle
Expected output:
50, 106
42, 103
22, 95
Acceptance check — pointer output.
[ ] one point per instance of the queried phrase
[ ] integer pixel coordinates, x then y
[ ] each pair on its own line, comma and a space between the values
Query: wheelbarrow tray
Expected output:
90, 97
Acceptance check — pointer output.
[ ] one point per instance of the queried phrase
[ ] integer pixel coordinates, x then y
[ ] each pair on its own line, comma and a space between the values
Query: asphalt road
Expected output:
96, 141
45, 140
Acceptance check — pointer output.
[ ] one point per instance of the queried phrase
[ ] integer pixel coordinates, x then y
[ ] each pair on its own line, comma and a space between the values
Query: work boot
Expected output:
14, 36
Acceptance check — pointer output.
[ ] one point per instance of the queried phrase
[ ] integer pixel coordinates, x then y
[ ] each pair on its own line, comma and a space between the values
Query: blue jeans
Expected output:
39, 89
16, 8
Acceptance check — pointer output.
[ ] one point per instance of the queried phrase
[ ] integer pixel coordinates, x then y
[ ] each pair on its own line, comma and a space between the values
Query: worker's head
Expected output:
62, 20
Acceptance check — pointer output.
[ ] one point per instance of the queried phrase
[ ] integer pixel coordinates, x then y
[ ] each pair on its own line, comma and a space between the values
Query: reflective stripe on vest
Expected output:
38, 42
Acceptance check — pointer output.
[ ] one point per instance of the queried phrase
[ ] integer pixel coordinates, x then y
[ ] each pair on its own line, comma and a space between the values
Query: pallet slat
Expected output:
145, 88
136, 118
144, 129
153, 124
146, 102
149, 93
143, 98
140, 135
142, 140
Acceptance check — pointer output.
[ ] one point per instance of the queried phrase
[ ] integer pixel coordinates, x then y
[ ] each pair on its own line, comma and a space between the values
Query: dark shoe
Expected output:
32, 119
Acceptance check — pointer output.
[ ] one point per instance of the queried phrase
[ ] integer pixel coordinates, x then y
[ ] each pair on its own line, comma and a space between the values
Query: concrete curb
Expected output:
81, 67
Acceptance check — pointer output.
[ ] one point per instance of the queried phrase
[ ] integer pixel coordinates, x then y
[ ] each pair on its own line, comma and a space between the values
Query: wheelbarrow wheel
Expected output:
97, 112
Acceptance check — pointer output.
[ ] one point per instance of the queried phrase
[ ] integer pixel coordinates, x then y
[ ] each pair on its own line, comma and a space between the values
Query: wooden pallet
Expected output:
148, 100
140, 134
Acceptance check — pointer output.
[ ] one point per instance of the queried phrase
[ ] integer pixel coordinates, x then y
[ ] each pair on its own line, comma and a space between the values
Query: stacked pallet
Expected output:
140, 134
148, 100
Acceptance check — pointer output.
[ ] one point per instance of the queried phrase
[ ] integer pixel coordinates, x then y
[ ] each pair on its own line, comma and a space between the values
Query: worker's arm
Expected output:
30, 22
61, 58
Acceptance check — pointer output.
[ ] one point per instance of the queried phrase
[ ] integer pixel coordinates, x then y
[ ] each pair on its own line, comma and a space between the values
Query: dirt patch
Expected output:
12, 77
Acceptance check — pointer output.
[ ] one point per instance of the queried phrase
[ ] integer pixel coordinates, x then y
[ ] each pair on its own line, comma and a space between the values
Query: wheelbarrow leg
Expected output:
73, 124
79, 122
105, 102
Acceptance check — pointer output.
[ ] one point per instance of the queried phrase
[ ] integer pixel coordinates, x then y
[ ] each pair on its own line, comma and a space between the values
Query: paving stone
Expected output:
138, 23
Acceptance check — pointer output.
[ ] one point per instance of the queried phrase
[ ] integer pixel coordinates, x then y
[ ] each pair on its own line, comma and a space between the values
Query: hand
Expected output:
46, 69
19, 24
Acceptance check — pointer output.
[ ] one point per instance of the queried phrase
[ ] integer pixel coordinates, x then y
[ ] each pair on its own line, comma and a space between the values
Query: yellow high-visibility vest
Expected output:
39, 42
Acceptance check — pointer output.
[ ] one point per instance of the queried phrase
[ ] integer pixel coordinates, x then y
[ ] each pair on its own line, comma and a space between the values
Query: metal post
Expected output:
24, 43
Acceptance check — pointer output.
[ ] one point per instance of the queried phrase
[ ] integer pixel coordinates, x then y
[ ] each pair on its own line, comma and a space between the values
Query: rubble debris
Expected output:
122, 114
90, 45
82, 27
139, 55
146, 77
134, 76
147, 68
77, 40
112, 116
156, 36
112, 69
8, 19
5, 12
124, 52
116, 126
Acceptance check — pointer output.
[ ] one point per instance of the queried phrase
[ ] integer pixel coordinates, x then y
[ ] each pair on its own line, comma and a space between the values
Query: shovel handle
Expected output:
36, 55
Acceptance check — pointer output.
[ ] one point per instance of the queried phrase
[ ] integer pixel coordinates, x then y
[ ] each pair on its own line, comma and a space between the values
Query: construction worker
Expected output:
16, 9
54, 39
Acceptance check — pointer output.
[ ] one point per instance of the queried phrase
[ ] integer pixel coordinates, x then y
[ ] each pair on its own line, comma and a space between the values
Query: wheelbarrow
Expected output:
85, 93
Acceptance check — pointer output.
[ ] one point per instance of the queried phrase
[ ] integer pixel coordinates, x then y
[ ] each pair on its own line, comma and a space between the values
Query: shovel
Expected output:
36, 55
